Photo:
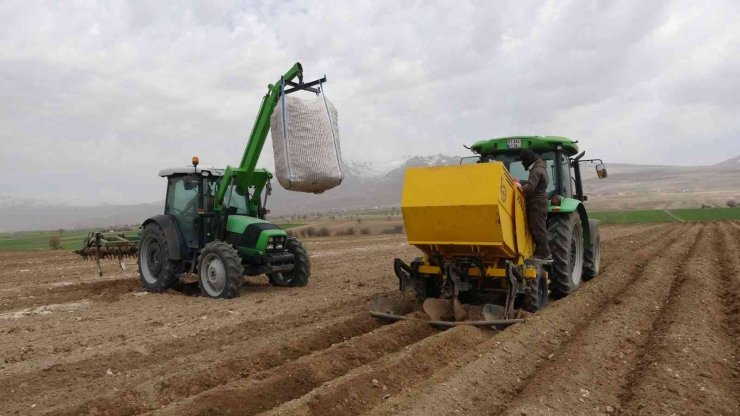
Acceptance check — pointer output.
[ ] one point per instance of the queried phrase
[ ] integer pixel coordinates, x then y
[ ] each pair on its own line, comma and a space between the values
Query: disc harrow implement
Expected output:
98, 246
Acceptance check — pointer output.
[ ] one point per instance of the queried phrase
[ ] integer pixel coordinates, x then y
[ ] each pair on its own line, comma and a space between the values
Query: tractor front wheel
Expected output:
220, 270
301, 267
566, 245
158, 272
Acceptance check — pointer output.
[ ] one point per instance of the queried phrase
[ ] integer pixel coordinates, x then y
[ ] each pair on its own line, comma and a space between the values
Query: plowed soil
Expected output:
656, 333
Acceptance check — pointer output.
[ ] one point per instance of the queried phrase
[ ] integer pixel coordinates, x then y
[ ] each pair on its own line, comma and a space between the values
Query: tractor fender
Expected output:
569, 205
171, 232
586, 225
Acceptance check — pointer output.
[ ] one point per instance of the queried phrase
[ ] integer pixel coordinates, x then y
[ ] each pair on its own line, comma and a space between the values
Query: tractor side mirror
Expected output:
601, 171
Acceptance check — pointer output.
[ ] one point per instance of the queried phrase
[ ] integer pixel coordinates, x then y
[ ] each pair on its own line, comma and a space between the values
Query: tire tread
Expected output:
232, 263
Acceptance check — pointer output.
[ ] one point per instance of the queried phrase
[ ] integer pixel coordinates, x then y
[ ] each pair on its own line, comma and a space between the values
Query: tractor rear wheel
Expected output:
566, 245
592, 255
301, 267
535, 295
158, 272
220, 270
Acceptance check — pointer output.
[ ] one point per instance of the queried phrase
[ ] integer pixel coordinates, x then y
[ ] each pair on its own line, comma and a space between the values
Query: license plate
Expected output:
514, 144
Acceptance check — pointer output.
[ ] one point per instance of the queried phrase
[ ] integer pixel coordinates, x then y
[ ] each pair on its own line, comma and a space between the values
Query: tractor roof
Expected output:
515, 144
189, 169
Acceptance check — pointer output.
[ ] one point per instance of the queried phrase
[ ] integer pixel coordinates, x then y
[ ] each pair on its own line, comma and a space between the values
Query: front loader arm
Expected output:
243, 176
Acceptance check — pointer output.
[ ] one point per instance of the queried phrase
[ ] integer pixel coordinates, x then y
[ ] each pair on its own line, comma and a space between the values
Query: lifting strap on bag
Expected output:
331, 126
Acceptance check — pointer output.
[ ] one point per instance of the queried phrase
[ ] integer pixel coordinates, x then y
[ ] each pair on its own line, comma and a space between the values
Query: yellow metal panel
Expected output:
491, 271
530, 272
524, 243
449, 209
426, 269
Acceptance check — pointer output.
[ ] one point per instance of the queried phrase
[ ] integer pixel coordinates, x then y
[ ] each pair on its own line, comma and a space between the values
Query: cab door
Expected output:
182, 204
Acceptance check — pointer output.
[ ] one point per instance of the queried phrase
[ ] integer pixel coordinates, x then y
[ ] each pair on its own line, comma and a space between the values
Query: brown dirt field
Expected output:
657, 332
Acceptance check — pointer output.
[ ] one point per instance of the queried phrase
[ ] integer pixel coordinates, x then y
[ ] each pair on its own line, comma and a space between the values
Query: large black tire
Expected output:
592, 255
566, 245
220, 271
157, 271
301, 267
535, 295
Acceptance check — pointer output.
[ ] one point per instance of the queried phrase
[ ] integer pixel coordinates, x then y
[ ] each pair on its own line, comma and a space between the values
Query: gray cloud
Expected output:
97, 97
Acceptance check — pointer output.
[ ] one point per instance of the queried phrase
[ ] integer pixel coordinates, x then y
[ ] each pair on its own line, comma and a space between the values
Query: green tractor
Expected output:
214, 220
574, 238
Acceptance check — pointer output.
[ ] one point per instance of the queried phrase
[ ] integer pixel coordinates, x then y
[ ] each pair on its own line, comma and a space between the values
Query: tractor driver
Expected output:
535, 191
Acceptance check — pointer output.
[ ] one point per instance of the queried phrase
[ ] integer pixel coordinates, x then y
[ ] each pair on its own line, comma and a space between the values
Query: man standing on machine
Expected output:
535, 191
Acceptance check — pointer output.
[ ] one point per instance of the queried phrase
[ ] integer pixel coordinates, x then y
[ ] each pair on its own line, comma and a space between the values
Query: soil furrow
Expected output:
270, 388
366, 387
150, 391
735, 225
730, 265
610, 246
90, 372
658, 332
586, 377
517, 353
629, 233
689, 363
106, 291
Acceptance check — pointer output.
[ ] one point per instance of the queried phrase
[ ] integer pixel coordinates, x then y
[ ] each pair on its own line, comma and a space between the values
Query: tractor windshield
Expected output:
516, 169
235, 200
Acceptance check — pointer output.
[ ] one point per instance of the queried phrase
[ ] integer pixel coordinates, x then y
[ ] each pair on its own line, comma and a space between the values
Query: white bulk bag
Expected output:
305, 141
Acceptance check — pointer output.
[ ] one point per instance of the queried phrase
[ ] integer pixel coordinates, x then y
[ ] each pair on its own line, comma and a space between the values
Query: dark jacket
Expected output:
536, 186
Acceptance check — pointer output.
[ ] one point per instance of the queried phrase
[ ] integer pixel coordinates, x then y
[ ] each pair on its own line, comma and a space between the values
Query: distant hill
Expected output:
628, 186
369, 186
735, 161
34, 216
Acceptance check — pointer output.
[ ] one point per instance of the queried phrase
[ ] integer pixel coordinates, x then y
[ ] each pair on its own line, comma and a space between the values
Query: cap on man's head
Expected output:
527, 157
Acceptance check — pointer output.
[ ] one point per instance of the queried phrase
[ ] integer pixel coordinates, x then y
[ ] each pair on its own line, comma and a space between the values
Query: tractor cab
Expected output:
191, 193
560, 154
574, 238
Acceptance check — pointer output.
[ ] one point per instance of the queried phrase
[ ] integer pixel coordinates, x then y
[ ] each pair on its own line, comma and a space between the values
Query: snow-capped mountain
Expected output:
362, 169
365, 185
377, 170
414, 161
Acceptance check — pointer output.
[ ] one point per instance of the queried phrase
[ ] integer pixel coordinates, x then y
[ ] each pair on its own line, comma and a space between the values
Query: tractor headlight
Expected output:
276, 242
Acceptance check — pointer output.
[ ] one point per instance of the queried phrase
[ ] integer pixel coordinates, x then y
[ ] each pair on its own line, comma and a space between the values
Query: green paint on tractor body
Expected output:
238, 224
566, 205
515, 144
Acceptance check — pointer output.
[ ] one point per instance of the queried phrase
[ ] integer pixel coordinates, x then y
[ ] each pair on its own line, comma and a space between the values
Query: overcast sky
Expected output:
96, 97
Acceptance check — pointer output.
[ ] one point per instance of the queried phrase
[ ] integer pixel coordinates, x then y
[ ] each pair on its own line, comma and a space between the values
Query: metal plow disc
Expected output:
386, 304
438, 309
444, 309
493, 312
